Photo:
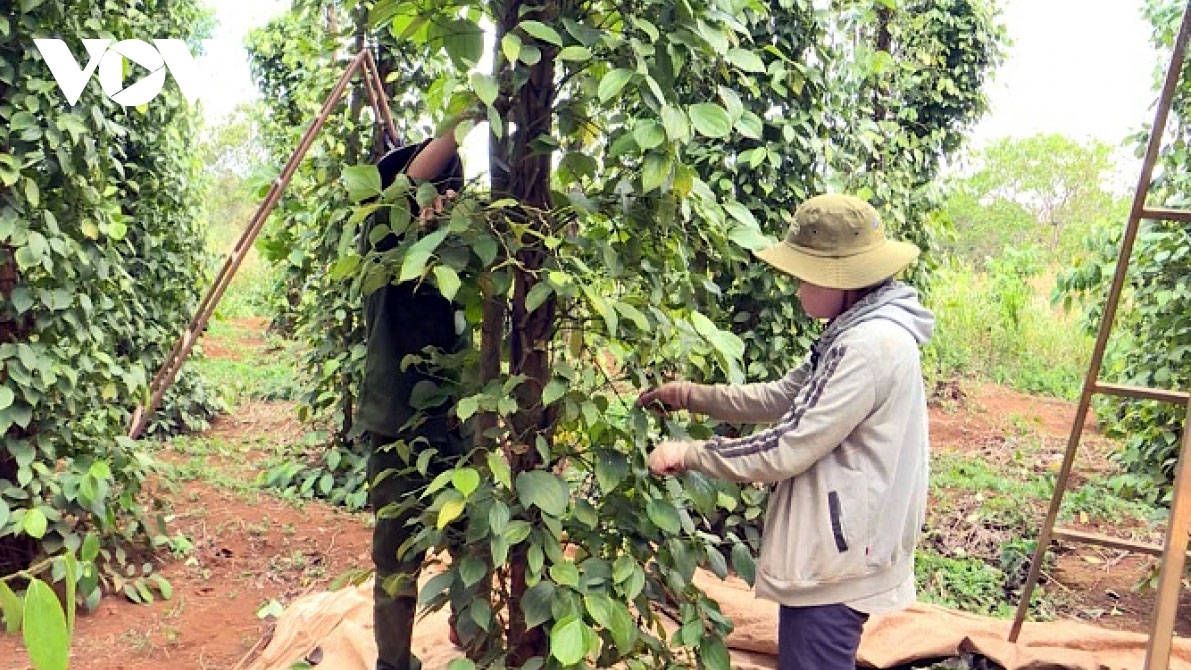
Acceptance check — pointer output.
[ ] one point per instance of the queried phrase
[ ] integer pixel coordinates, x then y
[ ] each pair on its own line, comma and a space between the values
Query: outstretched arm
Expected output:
432, 160
765, 402
826, 411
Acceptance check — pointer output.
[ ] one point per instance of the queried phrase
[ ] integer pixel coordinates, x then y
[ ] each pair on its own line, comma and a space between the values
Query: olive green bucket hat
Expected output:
838, 241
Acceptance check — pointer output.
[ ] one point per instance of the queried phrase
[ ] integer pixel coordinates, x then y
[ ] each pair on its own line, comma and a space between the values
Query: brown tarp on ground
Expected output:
333, 630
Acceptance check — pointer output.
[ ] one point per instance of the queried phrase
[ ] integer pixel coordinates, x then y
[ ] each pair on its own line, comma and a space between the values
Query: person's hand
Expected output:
475, 114
435, 208
668, 397
669, 458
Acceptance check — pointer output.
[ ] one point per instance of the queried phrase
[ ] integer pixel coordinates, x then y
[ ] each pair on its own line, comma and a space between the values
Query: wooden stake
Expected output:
1174, 558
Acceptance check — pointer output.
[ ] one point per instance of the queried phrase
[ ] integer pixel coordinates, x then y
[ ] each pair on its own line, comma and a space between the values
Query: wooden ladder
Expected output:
1173, 552
366, 66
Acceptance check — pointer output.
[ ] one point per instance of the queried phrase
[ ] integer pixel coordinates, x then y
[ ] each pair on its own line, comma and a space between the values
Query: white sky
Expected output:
226, 62
1079, 67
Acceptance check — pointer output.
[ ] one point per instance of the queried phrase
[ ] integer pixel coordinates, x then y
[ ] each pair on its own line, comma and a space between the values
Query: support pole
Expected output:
376, 96
1174, 558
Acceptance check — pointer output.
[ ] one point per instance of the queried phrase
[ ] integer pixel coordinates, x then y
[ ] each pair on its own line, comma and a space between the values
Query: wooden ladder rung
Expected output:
1107, 541
1164, 214
1140, 392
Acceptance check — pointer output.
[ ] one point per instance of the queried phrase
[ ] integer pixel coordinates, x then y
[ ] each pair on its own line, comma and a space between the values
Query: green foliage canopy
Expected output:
638, 153
101, 260
1048, 191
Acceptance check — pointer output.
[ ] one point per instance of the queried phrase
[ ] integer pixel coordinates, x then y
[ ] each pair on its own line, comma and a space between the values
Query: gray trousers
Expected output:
824, 637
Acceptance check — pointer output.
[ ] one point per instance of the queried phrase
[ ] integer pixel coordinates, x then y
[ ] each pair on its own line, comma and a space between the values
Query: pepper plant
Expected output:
586, 268
101, 260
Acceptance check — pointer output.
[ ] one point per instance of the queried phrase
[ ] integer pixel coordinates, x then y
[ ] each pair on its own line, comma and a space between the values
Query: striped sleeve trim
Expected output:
769, 439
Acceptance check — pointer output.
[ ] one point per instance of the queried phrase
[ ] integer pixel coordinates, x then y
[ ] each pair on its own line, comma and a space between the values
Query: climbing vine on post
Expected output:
101, 262
556, 501
911, 83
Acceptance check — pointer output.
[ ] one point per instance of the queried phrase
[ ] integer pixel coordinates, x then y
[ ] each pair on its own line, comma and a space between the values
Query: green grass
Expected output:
966, 584
1008, 492
1003, 494
271, 375
252, 287
219, 463
1096, 499
208, 459
977, 530
971, 474
984, 520
1001, 327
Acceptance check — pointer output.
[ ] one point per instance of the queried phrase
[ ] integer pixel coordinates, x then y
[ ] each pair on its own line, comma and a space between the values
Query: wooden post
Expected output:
1174, 558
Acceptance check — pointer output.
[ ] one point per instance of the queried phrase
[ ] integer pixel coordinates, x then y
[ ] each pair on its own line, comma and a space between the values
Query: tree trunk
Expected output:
884, 42
884, 37
527, 180
353, 155
9, 328
494, 313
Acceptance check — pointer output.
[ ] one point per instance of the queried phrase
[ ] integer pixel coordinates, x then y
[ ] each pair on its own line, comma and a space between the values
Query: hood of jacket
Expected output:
892, 301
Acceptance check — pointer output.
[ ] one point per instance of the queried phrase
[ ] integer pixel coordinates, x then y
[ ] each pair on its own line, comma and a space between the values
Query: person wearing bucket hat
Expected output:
404, 320
848, 445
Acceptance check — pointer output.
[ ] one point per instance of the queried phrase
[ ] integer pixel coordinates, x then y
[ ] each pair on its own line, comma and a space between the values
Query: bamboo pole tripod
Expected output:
1173, 551
374, 86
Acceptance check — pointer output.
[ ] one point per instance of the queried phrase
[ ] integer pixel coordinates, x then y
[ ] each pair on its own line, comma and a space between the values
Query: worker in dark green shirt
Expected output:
402, 320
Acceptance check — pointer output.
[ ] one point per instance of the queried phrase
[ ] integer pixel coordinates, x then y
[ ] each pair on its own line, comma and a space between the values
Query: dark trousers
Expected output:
823, 637
396, 590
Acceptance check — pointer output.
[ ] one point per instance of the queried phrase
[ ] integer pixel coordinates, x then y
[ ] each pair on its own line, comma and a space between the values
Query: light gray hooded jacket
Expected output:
848, 452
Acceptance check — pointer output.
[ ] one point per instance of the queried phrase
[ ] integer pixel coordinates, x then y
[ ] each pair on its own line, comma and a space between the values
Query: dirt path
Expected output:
246, 553
1091, 584
249, 548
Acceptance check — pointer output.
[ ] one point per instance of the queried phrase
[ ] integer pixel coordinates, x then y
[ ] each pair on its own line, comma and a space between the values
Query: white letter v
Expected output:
65, 68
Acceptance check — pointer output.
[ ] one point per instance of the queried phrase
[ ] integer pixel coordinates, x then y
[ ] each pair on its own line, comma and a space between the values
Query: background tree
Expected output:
1046, 190
233, 156
235, 170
